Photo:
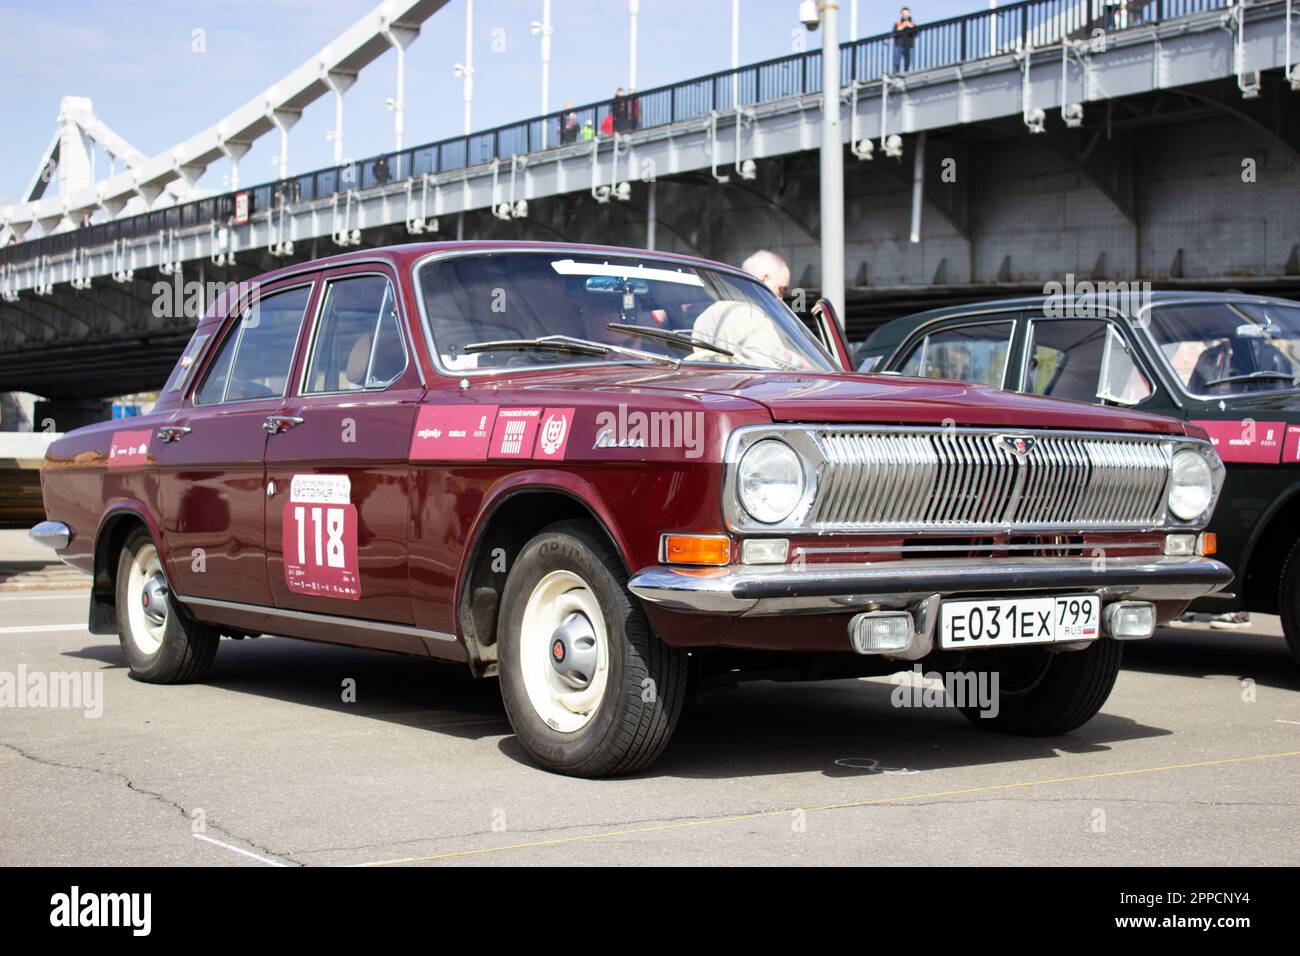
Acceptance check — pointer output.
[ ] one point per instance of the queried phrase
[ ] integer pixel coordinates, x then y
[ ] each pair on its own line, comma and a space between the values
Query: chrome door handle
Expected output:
171, 433
280, 423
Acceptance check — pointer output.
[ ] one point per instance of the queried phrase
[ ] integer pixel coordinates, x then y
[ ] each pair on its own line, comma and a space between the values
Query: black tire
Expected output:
1288, 601
184, 648
1042, 694
628, 728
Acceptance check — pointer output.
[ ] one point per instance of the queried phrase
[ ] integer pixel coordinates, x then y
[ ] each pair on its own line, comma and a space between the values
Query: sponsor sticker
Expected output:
126, 449
453, 432
553, 434
1246, 440
1291, 447
319, 538
515, 432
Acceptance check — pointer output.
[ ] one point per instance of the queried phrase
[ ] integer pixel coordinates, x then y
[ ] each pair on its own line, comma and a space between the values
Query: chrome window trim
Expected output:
297, 343
444, 254
1114, 324
1175, 380
326, 282
1016, 314
801, 438
924, 344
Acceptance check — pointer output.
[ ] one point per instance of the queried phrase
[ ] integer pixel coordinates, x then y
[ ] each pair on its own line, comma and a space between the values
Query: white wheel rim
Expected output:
143, 581
548, 617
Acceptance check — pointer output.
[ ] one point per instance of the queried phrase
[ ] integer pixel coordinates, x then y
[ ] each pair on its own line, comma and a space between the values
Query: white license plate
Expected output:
970, 625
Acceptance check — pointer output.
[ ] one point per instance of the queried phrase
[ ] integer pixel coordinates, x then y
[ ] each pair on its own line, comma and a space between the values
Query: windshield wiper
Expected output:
680, 337
1252, 377
566, 343
548, 343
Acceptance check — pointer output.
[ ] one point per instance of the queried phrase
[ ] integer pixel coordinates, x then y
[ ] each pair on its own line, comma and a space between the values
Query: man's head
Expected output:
770, 269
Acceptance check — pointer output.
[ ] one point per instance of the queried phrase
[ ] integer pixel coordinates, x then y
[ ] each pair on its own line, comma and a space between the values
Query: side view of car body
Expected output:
1226, 362
601, 473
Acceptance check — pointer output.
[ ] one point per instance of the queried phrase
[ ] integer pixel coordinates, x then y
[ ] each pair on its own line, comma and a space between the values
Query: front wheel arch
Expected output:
509, 523
1260, 575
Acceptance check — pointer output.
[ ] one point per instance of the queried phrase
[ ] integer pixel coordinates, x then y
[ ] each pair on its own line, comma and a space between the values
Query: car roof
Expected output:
887, 337
405, 254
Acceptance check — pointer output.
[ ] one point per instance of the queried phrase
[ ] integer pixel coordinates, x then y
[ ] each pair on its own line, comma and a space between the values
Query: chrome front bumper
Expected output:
757, 591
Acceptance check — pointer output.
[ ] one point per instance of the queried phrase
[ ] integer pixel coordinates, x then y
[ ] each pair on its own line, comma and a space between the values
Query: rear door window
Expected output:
257, 353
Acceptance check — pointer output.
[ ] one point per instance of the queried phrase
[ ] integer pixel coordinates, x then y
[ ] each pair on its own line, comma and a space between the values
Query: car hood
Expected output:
869, 399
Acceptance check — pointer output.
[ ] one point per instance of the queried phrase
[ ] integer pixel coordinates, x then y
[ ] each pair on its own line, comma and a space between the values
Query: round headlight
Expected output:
1191, 485
770, 481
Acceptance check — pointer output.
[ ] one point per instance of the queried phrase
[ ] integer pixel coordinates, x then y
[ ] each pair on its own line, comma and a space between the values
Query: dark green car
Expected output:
1227, 362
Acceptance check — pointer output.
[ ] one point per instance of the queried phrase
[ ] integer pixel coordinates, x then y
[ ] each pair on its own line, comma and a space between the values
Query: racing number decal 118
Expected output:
320, 538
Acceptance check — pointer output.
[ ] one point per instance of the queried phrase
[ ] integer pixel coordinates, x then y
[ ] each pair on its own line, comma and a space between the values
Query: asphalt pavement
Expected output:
1195, 760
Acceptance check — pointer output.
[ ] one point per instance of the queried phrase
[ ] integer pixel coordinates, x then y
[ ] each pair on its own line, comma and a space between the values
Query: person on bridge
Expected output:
569, 130
770, 269
904, 40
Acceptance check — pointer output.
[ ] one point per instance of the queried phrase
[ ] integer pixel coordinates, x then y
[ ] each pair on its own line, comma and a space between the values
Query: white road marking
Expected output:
49, 596
267, 860
37, 628
1281, 721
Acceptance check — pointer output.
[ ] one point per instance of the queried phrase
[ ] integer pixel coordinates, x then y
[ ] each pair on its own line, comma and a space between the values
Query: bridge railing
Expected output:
987, 33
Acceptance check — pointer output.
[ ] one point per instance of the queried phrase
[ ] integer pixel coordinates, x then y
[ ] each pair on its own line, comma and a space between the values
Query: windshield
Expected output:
508, 301
1230, 348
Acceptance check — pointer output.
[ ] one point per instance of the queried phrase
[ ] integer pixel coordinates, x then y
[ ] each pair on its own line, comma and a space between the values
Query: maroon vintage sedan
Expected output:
601, 473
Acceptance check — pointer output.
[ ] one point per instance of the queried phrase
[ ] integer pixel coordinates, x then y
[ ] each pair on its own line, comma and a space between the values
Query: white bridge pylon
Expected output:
391, 24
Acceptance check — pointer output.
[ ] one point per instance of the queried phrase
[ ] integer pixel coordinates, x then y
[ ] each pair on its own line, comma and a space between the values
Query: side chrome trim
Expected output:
898, 584
317, 618
51, 534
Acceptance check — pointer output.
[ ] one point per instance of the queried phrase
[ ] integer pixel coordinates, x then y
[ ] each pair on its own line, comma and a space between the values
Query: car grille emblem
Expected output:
1018, 445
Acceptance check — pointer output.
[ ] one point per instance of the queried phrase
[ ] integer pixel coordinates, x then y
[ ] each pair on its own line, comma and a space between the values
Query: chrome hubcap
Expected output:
573, 651
146, 601
563, 655
153, 598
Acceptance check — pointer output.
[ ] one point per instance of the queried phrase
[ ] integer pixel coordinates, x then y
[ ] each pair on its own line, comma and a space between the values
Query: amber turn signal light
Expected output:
709, 549
1208, 544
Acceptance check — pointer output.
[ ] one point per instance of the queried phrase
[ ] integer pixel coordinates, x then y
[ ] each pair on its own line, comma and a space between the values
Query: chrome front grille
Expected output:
945, 479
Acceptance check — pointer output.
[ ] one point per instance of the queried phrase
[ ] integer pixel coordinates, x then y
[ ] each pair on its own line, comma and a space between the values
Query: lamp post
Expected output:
543, 29
634, 7
466, 69
825, 13
735, 54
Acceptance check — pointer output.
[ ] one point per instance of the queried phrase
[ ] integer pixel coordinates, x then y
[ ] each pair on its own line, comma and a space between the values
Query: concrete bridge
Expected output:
1025, 144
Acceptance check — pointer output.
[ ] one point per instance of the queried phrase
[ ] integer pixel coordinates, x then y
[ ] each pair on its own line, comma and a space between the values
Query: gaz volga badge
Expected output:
320, 538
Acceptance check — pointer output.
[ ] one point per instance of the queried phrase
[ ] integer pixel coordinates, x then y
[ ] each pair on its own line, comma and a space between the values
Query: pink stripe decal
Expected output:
1246, 440
1291, 449
452, 432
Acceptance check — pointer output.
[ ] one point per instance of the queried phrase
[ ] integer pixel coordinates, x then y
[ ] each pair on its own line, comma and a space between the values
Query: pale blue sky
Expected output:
134, 58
